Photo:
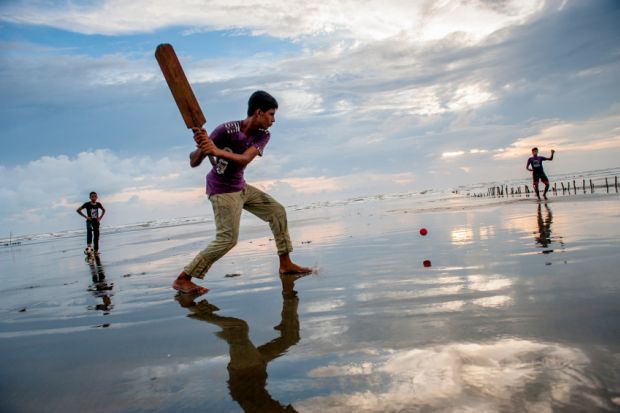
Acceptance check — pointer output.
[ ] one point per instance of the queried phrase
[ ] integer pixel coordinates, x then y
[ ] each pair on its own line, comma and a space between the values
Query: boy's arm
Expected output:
79, 211
242, 159
197, 156
102, 212
206, 147
527, 165
552, 153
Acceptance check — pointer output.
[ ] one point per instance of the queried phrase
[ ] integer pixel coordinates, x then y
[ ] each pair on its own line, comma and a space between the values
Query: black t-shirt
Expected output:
92, 210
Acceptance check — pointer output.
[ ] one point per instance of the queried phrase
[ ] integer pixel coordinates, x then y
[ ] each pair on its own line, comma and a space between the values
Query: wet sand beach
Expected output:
516, 309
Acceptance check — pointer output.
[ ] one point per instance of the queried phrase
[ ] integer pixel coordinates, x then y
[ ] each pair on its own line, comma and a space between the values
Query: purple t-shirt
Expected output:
227, 176
536, 162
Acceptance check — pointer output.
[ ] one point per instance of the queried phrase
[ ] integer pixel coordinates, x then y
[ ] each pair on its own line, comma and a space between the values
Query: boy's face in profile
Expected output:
267, 118
534, 152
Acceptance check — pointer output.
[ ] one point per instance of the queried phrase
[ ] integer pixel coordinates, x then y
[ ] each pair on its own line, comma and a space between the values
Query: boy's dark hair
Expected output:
534, 149
92, 194
261, 100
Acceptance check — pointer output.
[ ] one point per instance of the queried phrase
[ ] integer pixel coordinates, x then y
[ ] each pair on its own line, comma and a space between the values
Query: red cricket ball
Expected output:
423, 231
427, 263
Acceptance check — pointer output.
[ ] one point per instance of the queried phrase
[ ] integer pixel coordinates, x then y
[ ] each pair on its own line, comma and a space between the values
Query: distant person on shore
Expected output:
93, 219
534, 164
234, 145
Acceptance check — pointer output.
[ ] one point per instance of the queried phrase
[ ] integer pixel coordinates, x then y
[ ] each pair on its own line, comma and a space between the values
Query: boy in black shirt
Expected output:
92, 222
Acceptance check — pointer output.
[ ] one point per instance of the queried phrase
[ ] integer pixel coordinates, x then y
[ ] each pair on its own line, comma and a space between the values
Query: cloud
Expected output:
458, 377
595, 134
347, 19
452, 154
365, 107
47, 191
133, 189
344, 185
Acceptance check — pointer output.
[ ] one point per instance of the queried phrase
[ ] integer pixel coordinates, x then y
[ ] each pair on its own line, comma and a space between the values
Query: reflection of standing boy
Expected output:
92, 208
236, 144
538, 173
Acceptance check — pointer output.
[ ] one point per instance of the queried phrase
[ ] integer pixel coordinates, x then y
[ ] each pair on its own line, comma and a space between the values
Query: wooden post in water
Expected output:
591, 187
563, 189
616, 184
583, 186
606, 184
574, 186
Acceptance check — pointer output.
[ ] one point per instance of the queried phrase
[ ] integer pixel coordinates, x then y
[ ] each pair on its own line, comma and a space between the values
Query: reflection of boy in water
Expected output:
544, 227
538, 173
99, 287
247, 369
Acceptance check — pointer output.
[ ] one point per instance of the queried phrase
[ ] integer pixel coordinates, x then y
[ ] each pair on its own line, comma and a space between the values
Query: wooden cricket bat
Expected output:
180, 88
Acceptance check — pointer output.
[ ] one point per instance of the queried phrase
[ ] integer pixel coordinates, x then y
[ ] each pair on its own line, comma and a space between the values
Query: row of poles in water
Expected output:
565, 188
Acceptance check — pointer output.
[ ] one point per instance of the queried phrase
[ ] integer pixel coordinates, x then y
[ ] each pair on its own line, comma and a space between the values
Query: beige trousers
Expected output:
227, 210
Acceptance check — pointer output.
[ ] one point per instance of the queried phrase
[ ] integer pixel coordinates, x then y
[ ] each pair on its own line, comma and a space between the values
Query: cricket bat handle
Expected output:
211, 157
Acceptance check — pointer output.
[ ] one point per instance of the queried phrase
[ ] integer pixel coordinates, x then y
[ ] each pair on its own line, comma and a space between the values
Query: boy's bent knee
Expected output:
278, 211
225, 245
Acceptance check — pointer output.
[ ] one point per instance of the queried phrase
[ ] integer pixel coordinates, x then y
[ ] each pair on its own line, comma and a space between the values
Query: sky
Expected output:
374, 97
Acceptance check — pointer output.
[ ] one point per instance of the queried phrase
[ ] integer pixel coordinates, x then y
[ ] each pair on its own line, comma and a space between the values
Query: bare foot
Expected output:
293, 268
184, 284
289, 267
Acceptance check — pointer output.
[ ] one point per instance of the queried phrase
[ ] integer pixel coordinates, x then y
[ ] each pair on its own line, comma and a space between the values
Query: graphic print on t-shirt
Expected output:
92, 211
232, 127
220, 166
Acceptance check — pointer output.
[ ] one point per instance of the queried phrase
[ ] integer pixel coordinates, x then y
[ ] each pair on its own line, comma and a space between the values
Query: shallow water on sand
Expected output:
517, 311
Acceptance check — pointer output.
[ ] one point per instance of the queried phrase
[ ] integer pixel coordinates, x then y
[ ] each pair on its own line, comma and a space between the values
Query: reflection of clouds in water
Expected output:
322, 232
426, 309
464, 287
465, 235
493, 302
487, 232
462, 236
324, 306
488, 282
404, 295
350, 369
461, 377
320, 328
159, 384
